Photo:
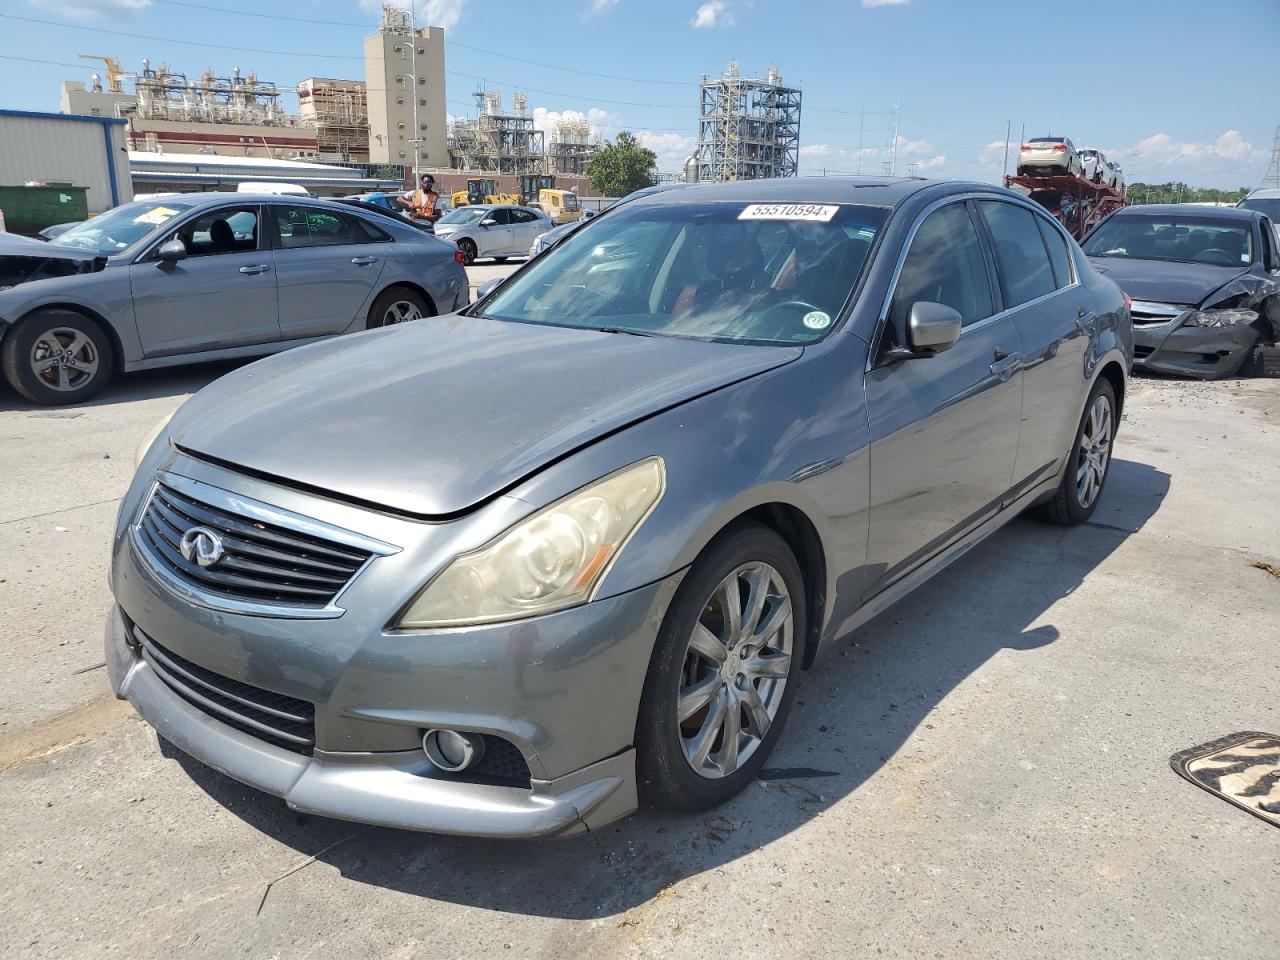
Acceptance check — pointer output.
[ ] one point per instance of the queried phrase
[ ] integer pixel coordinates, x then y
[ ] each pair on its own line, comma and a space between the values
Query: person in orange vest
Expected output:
423, 203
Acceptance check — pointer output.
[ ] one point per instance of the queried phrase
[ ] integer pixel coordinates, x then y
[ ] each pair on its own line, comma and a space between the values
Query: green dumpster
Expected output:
30, 209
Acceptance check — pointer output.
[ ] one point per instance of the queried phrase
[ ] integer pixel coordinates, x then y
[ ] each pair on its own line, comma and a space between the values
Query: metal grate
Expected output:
274, 717
1141, 352
261, 562
1146, 313
502, 761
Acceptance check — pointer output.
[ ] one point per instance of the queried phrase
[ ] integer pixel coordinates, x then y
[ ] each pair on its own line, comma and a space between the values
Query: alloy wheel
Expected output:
64, 359
1095, 451
401, 311
736, 666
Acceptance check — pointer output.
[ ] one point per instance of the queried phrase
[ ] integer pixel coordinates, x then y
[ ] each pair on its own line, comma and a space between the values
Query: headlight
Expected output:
1220, 317
549, 561
148, 440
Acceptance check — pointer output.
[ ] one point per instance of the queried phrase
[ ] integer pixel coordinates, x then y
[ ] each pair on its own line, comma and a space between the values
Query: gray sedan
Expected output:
581, 548
498, 230
202, 277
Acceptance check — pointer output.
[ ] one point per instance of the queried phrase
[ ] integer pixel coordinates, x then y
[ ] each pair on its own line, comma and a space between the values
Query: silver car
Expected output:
1048, 155
1095, 167
578, 546
184, 279
497, 230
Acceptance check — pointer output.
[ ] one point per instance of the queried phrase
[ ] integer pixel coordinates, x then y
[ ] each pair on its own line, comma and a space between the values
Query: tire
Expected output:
468, 248
1068, 506
56, 357
398, 305
664, 743
501, 259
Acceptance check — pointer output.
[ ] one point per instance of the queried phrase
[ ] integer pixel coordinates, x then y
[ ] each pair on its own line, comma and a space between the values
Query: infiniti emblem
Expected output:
202, 545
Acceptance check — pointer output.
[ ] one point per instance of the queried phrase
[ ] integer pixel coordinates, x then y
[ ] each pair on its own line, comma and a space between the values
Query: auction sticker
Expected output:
819, 212
817, 320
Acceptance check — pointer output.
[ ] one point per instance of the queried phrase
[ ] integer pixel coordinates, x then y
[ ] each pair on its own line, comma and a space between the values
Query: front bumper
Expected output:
1207, 353
562, 689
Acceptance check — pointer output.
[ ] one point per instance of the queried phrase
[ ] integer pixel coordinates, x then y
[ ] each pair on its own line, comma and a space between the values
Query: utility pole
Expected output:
893, 143
1008, 130
861, 118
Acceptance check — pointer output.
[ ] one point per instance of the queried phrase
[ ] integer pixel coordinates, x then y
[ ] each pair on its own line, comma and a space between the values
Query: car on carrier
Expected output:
578, 547
184, 279
1048, 156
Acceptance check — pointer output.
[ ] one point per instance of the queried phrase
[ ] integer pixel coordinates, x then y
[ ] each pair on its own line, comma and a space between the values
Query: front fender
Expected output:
105, 295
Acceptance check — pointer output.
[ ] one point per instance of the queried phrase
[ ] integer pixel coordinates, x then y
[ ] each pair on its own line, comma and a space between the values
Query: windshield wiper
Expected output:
630, 333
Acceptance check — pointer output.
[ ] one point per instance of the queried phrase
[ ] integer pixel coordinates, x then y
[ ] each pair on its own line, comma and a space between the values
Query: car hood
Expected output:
13, 245
1166, 282
434, 417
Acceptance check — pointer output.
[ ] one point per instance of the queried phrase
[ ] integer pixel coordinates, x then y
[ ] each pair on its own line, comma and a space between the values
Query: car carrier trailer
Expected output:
1078, 204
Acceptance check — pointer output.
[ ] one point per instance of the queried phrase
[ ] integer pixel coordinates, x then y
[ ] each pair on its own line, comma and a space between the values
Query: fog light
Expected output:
452, 751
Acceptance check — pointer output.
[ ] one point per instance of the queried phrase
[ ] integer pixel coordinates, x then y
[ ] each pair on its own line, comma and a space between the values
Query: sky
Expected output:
1166, 95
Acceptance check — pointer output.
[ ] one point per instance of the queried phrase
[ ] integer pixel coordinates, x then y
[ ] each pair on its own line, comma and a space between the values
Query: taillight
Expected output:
459, 258
1026, 148
1061, 146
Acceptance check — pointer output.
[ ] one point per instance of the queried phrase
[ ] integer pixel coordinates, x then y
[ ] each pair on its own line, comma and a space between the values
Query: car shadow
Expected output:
856, 709
129, 387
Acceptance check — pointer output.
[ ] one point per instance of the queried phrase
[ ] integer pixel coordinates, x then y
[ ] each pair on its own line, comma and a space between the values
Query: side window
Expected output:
228, 230
945, 265
1268, 233
521, 216
502, 215
368, 232
312, 227
1021, 256
1059, 257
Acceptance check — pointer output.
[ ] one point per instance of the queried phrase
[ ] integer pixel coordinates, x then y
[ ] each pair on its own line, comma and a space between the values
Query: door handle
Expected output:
255, 268
1005, 363
364, 261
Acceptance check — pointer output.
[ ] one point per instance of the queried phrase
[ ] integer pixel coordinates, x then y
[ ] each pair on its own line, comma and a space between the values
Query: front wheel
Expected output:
1088, 463
723, 673
57, 357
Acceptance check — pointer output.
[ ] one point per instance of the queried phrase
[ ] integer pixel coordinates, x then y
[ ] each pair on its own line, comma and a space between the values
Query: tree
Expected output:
621, 167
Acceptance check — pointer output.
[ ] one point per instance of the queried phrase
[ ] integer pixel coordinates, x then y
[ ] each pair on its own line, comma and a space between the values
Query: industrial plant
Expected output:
747, 128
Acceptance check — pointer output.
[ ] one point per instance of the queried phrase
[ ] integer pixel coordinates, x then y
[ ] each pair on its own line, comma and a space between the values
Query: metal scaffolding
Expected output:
339, 111
165, 95
748, 128
496, 142
571, 147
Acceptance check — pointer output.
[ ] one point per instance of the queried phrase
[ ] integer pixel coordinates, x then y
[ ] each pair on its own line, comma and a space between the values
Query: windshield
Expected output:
1190, 240
116, 230
465, 215
1267, 206
730, 272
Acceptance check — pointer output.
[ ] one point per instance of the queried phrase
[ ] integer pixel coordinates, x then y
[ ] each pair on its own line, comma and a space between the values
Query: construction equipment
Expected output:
115, 73
480, 190
531, 184
562, 206
1078, 204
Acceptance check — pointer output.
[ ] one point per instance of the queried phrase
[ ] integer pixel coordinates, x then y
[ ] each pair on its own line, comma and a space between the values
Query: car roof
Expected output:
1266, 193
873, 191
1187, 211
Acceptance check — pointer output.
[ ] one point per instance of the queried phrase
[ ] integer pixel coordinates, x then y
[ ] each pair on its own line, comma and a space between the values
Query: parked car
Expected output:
1266, 202
378, 209
553, 236
1048, 155
578, 545
497, 230
203, 277
1094, 165
1205, 283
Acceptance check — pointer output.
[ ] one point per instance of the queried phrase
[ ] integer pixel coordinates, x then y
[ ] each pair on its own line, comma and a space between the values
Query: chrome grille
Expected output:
261, 563
274, 717
1146, 313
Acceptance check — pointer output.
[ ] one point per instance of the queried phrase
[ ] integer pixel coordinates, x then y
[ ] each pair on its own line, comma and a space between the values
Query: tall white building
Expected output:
402, 67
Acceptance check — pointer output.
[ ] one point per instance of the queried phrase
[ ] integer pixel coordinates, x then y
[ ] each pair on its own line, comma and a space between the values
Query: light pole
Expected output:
417, 130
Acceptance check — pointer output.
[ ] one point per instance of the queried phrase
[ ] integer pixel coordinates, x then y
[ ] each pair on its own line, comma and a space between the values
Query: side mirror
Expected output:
171, 251
932, 327
489, 222
488, 287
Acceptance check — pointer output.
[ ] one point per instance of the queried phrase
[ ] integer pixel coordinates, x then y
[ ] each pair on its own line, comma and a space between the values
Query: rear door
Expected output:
327, 265
944, 429
525, 225
1055, 321
222, 295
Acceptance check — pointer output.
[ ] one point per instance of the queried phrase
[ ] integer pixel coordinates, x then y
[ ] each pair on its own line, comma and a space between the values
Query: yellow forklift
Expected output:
481, 191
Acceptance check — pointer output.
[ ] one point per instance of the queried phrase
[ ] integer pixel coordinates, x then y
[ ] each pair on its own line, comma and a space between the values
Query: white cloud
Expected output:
885, 3
601, 6
545, 120
94, 10
713, 13
672, 149
428, 13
